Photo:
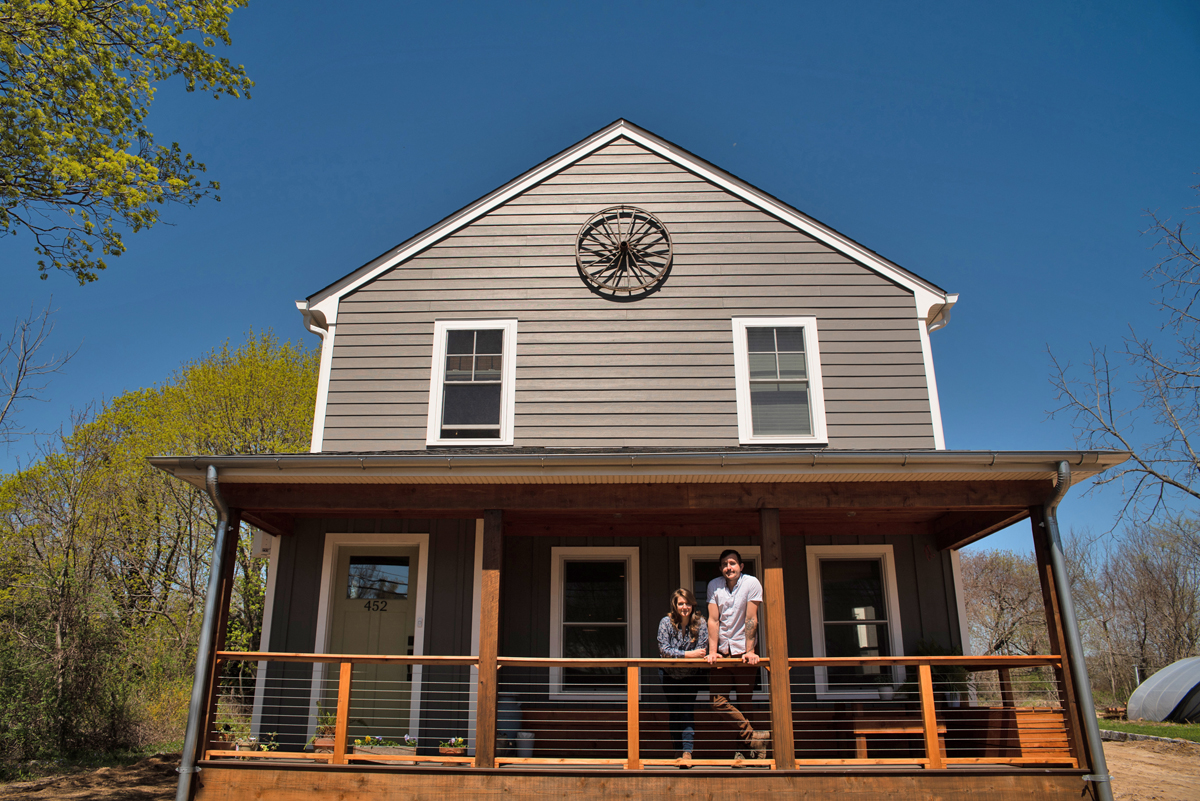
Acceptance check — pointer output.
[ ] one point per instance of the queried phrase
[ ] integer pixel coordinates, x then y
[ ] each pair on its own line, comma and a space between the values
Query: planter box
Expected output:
387, 750
445, 751
323, 745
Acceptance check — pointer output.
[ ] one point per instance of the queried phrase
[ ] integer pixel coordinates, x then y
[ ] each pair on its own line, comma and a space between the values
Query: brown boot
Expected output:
685, 760
759, 742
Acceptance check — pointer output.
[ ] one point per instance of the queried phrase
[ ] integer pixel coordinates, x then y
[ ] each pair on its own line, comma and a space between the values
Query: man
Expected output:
733, 602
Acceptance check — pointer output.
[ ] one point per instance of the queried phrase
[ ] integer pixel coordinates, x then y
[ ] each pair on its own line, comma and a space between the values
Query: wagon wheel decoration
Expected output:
623, 250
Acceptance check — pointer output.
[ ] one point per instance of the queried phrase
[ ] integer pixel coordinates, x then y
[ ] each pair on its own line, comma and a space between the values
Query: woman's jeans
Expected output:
681, 702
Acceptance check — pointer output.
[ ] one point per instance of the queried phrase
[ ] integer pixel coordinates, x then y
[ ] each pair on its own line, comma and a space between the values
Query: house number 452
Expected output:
375, 606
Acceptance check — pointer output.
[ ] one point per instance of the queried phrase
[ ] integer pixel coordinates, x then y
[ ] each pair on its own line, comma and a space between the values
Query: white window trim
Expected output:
632, 600
508, 394
741, 370
688, 554
890, 589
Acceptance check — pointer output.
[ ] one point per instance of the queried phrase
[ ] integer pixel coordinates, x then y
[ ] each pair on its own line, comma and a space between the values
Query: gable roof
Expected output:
933, 302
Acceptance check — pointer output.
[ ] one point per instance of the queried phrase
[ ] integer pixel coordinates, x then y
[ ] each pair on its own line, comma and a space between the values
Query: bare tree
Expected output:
24, 372
1005, 612
1161, 427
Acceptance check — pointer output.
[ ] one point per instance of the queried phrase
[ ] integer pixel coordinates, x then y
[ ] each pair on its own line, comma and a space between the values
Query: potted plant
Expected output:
322, 739
382, 747
455, 746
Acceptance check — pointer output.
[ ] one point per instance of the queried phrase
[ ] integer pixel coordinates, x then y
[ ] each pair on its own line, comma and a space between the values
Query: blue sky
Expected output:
1006, 152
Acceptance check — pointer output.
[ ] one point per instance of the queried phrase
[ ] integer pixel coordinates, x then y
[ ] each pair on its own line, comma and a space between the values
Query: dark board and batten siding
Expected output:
654, 372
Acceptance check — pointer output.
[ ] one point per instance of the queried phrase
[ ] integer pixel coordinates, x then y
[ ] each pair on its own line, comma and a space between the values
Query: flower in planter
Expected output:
454, 742
410, 741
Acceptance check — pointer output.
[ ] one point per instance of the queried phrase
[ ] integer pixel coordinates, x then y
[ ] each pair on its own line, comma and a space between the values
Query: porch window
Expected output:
471, 390
852, 591
594, 616
778, 371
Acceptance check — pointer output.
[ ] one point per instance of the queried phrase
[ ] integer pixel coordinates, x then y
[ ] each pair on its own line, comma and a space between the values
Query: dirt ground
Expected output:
1152, 771
1142, 771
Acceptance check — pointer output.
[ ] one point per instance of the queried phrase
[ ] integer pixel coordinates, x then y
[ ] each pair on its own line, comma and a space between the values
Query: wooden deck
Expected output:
222, 781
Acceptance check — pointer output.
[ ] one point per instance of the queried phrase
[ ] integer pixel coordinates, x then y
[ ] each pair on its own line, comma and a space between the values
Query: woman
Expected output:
682, 635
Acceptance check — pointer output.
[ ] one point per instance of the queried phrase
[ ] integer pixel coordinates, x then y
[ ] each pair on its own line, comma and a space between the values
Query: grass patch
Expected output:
1180, 731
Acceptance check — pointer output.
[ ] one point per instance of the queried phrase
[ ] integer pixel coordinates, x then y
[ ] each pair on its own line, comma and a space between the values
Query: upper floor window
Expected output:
777, 365
471, 388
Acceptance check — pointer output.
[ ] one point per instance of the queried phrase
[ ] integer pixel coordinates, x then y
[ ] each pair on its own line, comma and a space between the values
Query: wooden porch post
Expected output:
777, 648
489, 638
229, 566
1057, 637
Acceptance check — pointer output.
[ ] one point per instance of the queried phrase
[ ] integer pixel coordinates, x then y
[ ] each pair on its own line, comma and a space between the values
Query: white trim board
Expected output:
264, 637
335, 540
476, 609
932, 304
813, 554
633, 605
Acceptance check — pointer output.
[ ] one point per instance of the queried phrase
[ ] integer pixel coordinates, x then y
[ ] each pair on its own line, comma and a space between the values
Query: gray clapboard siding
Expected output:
658, 371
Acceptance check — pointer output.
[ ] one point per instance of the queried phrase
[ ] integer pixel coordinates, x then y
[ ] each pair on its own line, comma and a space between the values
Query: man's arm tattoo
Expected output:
751, 631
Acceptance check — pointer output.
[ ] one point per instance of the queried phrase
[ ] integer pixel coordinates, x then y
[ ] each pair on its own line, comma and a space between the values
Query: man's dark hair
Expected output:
729, 552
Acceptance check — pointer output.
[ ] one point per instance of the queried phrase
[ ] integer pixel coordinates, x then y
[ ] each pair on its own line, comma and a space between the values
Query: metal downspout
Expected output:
1074, 644
204, 650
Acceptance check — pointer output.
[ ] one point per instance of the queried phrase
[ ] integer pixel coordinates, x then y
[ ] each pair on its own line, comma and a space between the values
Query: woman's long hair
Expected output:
677, 619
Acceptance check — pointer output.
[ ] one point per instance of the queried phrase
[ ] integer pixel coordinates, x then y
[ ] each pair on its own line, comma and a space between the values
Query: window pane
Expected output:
780, 409
377, 577
470, 433
760, 340
599, 642
856, 641
490, 340
791, 365
852, 589
762, 365
471, 404
593, 592
790, 339
458, 368
460, 341
487, 368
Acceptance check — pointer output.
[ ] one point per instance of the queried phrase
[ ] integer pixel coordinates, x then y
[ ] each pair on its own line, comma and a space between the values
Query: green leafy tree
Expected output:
77, 77
104, 560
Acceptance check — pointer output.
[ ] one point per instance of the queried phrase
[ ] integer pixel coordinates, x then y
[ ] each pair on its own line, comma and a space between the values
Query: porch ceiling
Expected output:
957, 496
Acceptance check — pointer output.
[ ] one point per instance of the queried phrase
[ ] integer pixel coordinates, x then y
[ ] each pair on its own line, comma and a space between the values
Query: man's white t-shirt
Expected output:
731, 636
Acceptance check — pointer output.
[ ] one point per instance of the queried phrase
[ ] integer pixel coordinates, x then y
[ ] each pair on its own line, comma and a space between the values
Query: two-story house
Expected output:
544, 414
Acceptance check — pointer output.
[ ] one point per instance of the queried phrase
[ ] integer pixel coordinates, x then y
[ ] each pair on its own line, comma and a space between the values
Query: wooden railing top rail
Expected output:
358, 659
970, 662
976, 662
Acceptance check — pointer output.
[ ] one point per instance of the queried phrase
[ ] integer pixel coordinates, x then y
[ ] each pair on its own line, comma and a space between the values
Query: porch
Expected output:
884, 721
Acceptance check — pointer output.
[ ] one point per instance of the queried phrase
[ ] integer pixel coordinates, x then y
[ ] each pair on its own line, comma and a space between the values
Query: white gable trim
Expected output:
932, 303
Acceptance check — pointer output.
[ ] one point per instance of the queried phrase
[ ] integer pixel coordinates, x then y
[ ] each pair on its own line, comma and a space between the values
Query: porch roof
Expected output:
638, 466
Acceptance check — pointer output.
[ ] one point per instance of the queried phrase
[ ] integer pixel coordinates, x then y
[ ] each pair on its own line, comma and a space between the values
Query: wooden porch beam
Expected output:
958, 530
1058, 638
489, 638
412, 500
777, 645
277, 525
226, 594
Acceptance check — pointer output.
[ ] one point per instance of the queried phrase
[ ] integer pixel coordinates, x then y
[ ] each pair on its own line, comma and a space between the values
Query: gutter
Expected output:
1100, 779
1092, 461
204, 649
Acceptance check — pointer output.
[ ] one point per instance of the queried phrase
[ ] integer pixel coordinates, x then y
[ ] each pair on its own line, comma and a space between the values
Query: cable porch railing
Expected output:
931, 712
